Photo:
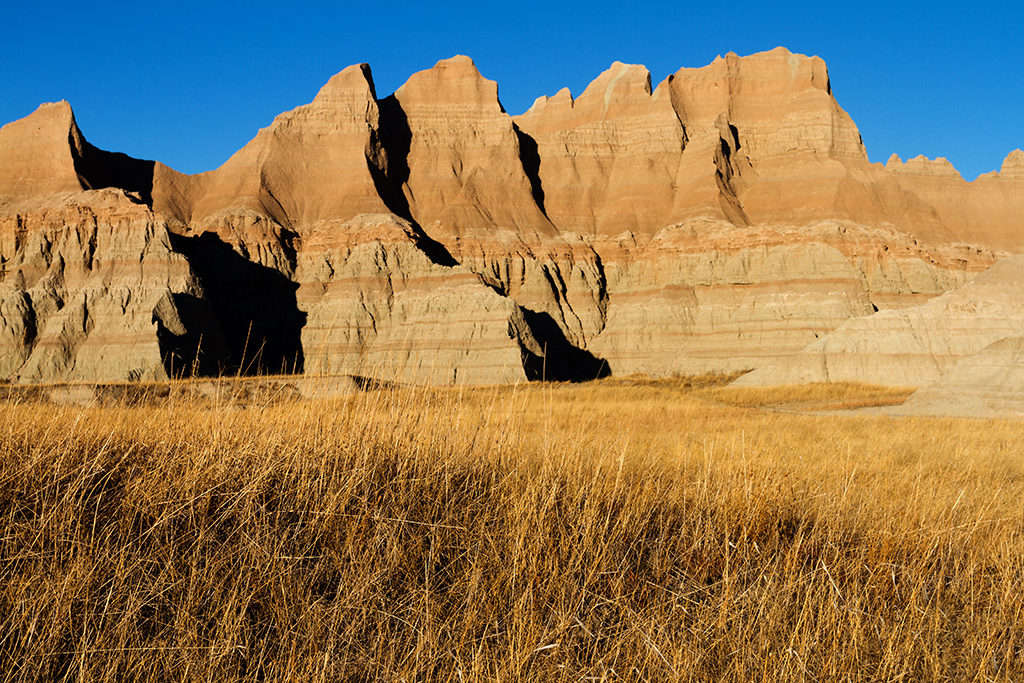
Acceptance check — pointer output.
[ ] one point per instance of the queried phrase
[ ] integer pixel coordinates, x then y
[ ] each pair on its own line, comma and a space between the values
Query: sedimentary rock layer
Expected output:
913, 346
987, 384
720, 220
94, 291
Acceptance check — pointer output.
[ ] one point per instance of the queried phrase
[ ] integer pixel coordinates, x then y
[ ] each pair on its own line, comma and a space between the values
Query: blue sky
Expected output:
188, 83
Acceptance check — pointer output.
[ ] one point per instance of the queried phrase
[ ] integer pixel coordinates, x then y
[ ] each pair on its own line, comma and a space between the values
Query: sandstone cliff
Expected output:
93, 291
91, 288
721, 220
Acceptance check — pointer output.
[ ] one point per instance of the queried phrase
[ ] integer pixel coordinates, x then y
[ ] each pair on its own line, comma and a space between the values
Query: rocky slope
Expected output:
721, 220
986, 384
913, 346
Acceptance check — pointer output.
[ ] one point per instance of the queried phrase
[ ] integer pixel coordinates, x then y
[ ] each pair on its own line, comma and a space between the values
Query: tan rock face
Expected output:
1013, 166
95, 292
986, 384
36, 159
722, 220
608, 161
316, 162
469, 176
782, 146
986, 212
377, 306
913, 346
45, 154
465, 176
717, 298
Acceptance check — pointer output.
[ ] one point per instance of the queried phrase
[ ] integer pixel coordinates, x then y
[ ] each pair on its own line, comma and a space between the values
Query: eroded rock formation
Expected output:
911, 346
724, 219
986, 384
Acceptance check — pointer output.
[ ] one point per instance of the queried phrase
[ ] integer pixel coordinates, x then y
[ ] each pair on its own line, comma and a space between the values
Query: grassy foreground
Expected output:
602, 532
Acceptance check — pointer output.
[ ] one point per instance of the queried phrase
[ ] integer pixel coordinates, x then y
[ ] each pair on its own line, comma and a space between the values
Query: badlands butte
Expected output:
727, 219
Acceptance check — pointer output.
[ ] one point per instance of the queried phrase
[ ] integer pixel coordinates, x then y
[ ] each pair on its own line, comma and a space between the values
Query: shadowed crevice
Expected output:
726, 173
201, 351
529, 156
98, 169
434, 250
254, 305
391, 182
561, 362
396, 139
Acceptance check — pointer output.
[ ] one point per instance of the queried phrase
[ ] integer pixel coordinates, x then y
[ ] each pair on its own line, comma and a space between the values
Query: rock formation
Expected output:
90, 285
986, 384
912, 346
720, 221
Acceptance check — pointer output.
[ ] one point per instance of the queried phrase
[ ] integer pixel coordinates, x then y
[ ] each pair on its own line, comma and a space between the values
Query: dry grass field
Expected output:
618, 530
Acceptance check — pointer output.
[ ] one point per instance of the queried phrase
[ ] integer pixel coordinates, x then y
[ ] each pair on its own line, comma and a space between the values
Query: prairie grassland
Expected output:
618, 530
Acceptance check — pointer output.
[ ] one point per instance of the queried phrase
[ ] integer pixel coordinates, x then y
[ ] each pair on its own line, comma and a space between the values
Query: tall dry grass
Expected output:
610, 531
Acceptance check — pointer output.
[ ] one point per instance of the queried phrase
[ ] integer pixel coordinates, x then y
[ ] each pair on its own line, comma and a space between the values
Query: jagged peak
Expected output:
457, 67
562, 95
56, 117
349, 94
455, 80
45, 153
620, 84
561, 99
457, 61
780, 64
619, 80
1012, 168
63, 107
38, 153
357, 78
922, 165
1013, 165
537, 104
779, 52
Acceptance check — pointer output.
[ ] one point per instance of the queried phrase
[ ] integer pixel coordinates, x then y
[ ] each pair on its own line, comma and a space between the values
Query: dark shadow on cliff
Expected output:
254, 305
396, 139
529, 156
564, 362
435, 251
202, 351
97, 169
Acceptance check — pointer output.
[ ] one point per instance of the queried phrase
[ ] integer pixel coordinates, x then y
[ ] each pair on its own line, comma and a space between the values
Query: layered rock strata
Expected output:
986, 384
91, 288
912, 346
719, 221
95, 291
377, 306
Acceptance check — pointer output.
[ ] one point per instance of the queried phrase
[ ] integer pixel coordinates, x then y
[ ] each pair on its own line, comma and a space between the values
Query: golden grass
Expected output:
610, 531
816, 396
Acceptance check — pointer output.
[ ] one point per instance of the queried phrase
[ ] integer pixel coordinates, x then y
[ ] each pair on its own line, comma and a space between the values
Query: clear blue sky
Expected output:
188, 83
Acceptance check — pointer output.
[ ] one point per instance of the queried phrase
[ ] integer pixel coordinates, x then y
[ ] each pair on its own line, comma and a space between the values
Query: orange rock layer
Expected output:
717, 221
